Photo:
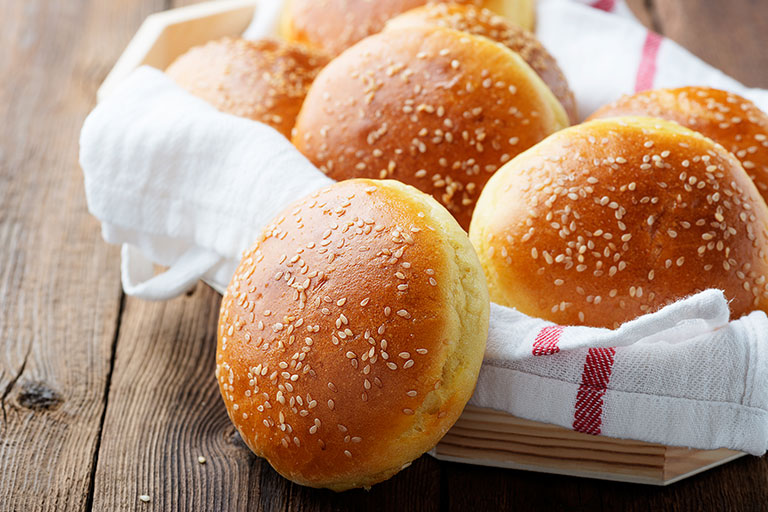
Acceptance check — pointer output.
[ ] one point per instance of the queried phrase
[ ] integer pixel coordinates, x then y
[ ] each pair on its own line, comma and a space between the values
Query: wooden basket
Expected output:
493, 438
480, 436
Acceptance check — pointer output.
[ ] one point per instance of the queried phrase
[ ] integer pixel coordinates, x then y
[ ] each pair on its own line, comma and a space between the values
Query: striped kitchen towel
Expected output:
682, 376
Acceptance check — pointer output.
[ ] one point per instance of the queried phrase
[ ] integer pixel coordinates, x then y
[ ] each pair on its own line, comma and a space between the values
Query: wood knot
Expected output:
39, 396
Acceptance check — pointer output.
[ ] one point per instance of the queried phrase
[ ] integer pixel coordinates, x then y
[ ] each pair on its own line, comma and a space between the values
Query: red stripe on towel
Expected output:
588, 416
546, 341
604, 5
646, 72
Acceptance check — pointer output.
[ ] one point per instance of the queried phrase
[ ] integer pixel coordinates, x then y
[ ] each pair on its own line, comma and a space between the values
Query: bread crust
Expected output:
432, 107
352, 334
483, 22
332, 26
614, 218
263, 80
727, 118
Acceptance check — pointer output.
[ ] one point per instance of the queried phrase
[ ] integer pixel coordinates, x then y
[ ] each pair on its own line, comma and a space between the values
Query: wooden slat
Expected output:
166, 35
164, 412
488, 437
596, 445
682, 462
501, 422
730, 35
547, 457
59, 284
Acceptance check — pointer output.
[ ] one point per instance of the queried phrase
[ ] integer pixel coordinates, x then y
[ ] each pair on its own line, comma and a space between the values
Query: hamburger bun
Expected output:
332, 26
262, 80
482, 22
614, 218
730, 120
352, 333
432, 107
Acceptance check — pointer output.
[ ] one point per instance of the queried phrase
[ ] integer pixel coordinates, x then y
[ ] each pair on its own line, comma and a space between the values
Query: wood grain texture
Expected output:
59, 285
164, 411
494, 438
731, 35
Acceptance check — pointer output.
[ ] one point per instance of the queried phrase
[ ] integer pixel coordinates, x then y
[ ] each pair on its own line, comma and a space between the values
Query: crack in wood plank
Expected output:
107, 386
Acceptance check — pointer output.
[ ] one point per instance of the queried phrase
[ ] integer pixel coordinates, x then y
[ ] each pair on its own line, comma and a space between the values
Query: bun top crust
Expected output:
482, 22
352, 334
334, 25
433, 107
614, 218
262, 80
727, 118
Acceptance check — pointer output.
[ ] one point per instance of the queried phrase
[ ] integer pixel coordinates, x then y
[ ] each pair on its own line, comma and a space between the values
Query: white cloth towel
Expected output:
682, 376
180, 184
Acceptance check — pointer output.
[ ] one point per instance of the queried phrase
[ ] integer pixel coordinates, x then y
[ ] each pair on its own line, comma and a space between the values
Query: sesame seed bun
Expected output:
482, 22
334, 25
727, 118
352, 334
262, 80
613, 218
432, 107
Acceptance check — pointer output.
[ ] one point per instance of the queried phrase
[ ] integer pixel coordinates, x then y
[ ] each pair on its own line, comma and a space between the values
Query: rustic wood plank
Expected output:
740, 485
729, 35
59, 283
164, 412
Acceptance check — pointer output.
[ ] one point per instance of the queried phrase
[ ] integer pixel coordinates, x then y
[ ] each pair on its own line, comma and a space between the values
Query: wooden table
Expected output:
105, 398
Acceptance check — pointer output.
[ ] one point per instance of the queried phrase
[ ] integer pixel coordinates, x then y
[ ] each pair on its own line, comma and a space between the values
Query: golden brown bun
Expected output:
352, 334
433, 107
728, 119
262, 80
334, 25
610, 219
482, 22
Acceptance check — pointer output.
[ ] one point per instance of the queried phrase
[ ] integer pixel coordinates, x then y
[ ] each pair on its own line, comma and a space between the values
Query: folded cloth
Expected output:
682, 376
180, 184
